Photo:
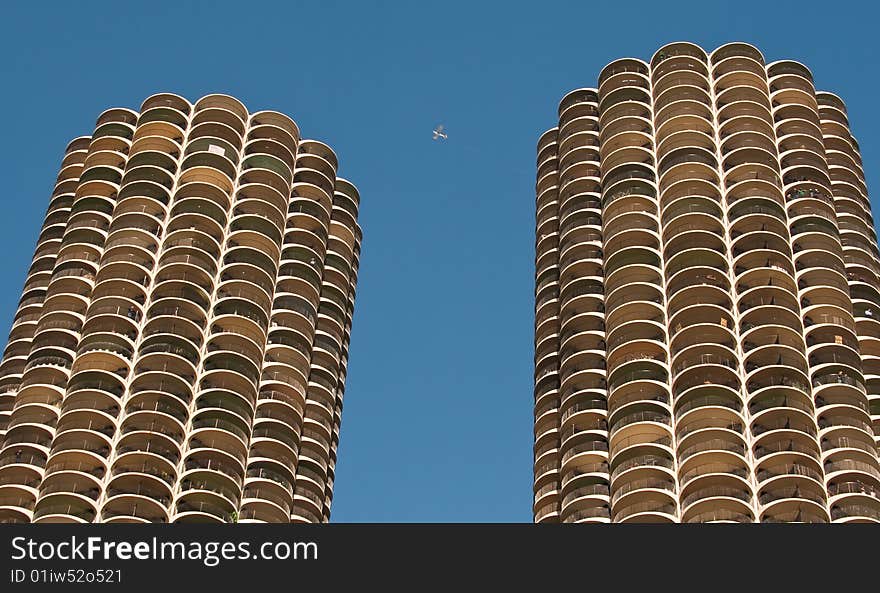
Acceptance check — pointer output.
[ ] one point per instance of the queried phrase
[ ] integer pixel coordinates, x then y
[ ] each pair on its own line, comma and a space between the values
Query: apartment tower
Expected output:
707, 299
179, 352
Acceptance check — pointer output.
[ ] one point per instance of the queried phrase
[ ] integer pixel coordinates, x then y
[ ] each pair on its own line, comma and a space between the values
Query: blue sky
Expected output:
438, 412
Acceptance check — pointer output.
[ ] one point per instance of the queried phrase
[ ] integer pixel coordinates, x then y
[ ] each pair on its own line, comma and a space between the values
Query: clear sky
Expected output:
437, 423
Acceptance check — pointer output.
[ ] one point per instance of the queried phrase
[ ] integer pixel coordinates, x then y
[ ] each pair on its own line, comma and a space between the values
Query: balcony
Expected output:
657, 510
711, 444
149, 448
194, 509
274, 124
64, 509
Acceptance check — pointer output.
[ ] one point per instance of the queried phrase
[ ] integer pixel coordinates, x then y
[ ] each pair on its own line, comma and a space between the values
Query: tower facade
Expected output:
707, 299
180, 348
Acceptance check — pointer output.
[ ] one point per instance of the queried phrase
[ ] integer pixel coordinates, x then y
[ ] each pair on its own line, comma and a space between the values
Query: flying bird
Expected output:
439, 133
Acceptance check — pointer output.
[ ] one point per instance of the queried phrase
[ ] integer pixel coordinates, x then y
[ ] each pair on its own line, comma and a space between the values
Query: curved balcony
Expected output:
263, 506
133, 509
776, 494
649, 499
203, 508
678, 49
736, 49
672, 136
220, 108
728, 493
276, 120
584, 491
698, 93
576, 103
748, 91
577, 132
581, 447
64, 508
167, 100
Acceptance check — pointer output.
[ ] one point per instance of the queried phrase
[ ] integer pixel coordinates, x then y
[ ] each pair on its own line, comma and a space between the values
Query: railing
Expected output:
777, 382
210, 508
700, 158
795, 469
228, 493
27, 439
647, 461
844, 421
779, 401
545, 467
282, 397
711, 445
737, 213
132, 511
56, 361
590, 513
851, 465
713, 359
133, 425
645, 507
583, 470
22, 502
582, 427
165, 452
269, 474
113, 388
221, 424
173, 411
773, 495
317, 477
760, 428
636, 417
779, 447
854, 510
288, 378
644, 355
305, 514
104, 346
708, 400
655, 375
145, 468
226, 402
266, 494
214, 465
73, 273
713, 468
308, 494
186, 353
853, 488
591, 490
275, 434
683, 431
87, 514
652, 483
19, 481
848, 443
140, 491
593, 405
714, 491
839, 378
545, 489
585, 447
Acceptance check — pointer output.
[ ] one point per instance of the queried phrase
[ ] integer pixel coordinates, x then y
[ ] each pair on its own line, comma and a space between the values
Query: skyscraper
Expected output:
707, 302
180, 348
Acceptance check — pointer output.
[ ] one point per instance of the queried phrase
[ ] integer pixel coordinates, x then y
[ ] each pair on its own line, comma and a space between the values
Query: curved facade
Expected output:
179, 352
707, 299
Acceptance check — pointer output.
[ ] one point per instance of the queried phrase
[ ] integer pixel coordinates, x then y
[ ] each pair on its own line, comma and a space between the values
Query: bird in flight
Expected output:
439, 133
